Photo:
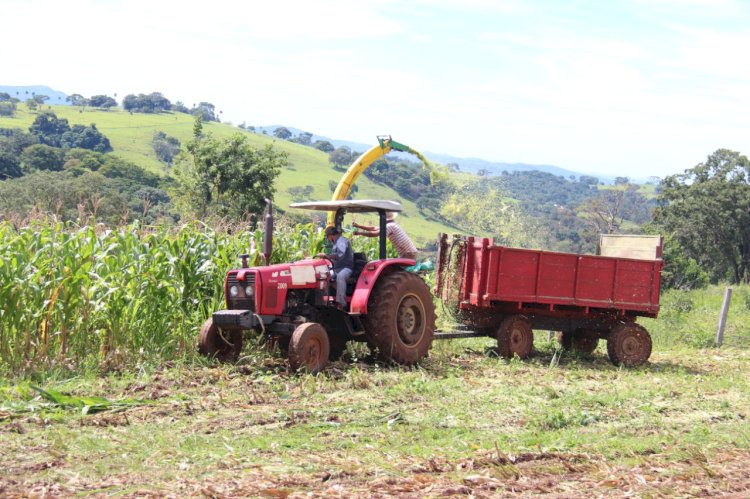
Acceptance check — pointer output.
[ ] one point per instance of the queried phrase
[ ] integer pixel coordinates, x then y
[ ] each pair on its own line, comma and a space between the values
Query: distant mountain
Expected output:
471, 165
26, 92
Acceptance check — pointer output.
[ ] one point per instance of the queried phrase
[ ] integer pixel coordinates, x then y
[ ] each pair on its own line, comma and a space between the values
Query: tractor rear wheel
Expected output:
400, 320
628, 344
515, 337
581, 340
309, 348
223, 345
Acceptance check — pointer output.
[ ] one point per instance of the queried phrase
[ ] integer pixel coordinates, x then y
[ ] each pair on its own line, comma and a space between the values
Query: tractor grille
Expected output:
241, 302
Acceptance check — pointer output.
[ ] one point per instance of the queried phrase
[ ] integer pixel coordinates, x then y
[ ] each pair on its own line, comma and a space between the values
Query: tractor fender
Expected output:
368, 278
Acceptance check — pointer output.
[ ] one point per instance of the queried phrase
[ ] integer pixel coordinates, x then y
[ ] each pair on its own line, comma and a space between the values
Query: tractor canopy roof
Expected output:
351, 206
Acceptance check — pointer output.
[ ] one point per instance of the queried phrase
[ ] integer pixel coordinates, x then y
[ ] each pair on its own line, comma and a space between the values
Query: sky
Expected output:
633, 88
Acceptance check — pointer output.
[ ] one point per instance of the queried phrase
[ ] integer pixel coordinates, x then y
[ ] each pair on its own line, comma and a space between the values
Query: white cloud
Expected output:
504, 80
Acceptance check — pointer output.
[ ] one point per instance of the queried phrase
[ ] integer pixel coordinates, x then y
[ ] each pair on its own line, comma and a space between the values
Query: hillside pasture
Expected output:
131, 133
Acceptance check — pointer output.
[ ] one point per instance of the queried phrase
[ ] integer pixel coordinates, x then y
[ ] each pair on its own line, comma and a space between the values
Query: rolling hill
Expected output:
470, 165
26, 92
131, 135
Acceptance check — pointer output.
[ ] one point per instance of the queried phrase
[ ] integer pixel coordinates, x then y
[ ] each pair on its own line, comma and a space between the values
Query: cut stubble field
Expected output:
464, 423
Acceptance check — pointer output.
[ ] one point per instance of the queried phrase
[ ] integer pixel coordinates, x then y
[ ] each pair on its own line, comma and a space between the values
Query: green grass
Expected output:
463, 418
131, 135
364, 427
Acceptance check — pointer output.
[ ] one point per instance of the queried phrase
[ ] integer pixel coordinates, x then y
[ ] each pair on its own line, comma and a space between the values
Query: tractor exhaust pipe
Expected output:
268, 239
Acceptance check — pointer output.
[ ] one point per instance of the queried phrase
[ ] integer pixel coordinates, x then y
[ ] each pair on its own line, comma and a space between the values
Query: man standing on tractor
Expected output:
398, 237
342, 257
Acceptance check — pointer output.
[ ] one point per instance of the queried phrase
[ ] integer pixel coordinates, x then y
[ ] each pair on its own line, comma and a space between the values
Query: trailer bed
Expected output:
502, 274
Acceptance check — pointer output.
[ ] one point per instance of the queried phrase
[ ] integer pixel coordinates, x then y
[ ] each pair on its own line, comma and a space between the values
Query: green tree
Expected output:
707, 209
84, 158
481, 209
102, 101
304, 138
282, 133
300, 193
226, 177
323, 145
680, 271
41, 157
341, 157
10, 166
7, 108
85, 137
49, 129
77, 100
154, 102
206, 111
165, 147
41, 99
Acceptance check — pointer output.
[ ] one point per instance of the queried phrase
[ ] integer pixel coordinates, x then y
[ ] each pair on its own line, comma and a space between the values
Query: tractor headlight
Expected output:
249, 291
234, 291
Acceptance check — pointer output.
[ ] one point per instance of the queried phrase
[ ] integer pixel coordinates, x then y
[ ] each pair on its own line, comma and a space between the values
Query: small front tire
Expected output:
223, 345
309, 348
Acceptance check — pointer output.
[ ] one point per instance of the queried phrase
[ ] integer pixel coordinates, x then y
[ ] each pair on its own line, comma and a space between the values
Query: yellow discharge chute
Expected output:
385, 145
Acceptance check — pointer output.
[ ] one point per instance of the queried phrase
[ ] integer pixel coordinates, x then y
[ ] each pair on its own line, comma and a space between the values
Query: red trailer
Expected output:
507, 292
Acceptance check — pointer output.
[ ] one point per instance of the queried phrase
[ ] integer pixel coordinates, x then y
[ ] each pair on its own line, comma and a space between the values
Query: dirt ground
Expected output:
30, 465
485, 474
537, 475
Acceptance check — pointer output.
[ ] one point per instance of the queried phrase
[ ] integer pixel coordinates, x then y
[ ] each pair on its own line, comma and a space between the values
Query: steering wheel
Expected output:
327, 258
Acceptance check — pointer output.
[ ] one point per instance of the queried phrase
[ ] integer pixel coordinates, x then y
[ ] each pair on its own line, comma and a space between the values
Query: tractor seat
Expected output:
360, 260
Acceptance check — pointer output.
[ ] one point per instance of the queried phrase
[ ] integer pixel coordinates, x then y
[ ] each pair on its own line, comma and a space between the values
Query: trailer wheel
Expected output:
514, 337
400, 322
223, 345
581, 340
628, 344
309, 348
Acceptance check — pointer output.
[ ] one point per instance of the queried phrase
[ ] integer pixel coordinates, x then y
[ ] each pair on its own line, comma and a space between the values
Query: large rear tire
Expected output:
309, 348
581, 340
628, 344
400, 320
515, 337
223, 345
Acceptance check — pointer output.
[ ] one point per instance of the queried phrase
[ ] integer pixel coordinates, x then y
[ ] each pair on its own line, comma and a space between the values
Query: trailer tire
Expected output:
223, 345
309, 348
581, 340
400, 322
515, 337
628, 344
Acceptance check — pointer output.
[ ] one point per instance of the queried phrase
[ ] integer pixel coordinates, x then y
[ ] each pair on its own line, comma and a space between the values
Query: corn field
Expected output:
89, 298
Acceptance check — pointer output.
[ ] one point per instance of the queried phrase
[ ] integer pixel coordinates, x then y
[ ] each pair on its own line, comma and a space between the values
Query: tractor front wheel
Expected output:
628, 344
400, 320
223, 345
515, 337
309, 348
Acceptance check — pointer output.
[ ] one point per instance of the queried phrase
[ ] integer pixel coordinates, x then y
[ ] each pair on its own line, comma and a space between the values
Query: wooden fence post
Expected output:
723, 318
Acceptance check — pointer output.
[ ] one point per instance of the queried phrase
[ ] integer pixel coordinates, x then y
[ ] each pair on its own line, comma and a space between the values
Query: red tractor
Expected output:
293, 304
